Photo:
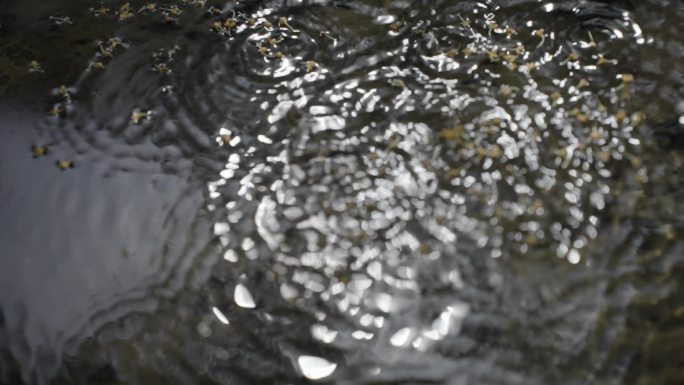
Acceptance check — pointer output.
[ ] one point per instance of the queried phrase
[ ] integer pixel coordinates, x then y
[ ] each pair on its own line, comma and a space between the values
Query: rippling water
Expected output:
405, 192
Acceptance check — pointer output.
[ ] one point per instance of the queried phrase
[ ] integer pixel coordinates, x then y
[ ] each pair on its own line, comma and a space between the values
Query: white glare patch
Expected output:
315, 368
384, 302
230, 256
401, 337
361, 335
323, 334
221, 228
574, 256
288, 292
267, 223
243, 297
220, 316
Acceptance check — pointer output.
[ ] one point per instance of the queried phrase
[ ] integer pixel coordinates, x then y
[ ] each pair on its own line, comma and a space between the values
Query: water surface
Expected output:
405, 192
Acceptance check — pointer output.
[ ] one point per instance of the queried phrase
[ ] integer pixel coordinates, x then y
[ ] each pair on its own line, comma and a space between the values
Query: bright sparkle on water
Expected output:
366, 163
315, 368
221, 317
243, 297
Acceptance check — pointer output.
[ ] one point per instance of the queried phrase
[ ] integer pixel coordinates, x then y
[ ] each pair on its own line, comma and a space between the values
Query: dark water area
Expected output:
344, 192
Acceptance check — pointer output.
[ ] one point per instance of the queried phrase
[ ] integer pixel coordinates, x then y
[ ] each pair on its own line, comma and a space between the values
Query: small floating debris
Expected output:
505, 90
162, 69
315, 368
465, 23
101, 11
171, 14
509, 58
172, 11
604, 156
225, 139
510, 32
596, 135
60, 20
638, 118
35, 67
267, 24
394, 27
198, 3
125, 12
627, 78
273, 41
65, 164
573, 57
579, 115
492, 27
328, 35
230, 23
57, 110
540, 34
114, 42
492, 122
225, 27
217, 26
65, 93
494, 151
39, 151
641, 176
451, 134
397, 83
148, 7
602, 60
592, 42
282, 22
311, 65
138, 116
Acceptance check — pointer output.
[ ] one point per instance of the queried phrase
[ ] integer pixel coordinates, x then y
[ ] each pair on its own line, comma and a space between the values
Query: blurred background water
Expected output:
348, 192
